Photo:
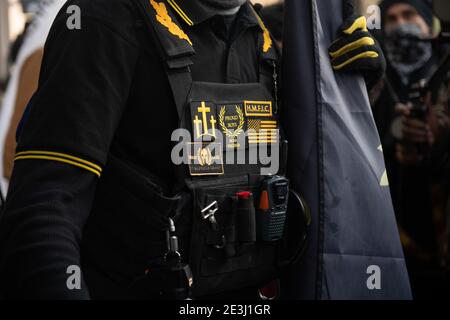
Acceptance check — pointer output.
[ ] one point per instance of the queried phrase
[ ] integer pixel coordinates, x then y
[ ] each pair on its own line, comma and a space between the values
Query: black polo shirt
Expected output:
102, 90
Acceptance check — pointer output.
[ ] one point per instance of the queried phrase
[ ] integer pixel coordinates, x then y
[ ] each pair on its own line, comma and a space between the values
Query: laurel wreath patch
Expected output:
240, 127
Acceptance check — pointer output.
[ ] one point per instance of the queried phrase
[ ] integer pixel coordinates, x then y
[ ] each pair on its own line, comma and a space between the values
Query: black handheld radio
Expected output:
271, 213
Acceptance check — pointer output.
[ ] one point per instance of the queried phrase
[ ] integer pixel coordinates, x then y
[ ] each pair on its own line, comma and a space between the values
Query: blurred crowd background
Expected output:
413, 127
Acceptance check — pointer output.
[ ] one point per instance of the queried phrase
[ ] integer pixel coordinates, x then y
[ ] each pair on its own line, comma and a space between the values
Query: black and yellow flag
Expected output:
336, 161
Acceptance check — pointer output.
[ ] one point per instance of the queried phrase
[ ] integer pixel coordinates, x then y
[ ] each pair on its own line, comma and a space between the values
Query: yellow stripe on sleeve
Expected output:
59, 154
60, 157
76, 164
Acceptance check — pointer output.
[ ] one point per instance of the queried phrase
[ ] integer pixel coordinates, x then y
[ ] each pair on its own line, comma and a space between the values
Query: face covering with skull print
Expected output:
405, 50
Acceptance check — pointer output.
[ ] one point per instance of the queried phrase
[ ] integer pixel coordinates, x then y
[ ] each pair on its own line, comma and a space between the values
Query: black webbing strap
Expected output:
175, 52
268, 64
180, 82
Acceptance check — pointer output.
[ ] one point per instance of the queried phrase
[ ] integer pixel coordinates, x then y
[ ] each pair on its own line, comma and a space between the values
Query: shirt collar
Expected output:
193, 12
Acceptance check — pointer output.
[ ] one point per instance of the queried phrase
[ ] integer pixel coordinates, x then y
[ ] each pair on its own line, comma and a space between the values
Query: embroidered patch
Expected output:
262, 131
266, 35
204, 123
163, 17
267, 40
258, 108
231, 122
205, 159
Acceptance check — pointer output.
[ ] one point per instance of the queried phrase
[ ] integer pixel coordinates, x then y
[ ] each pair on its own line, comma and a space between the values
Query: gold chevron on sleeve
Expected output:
59, 157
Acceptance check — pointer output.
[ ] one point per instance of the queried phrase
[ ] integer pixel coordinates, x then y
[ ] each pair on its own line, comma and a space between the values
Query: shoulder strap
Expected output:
269, 60
174, 47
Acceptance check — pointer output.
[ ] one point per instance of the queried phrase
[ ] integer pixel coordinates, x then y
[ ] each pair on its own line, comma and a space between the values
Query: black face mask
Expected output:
222, 4
405, 52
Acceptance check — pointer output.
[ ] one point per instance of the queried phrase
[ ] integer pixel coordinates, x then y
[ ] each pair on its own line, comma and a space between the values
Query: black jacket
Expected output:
411, 185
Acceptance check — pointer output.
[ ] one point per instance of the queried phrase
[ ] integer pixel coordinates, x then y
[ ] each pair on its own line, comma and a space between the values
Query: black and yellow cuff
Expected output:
60, 157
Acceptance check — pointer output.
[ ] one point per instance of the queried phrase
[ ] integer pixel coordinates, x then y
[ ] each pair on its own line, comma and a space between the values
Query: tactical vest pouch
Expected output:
224, 253
137, 212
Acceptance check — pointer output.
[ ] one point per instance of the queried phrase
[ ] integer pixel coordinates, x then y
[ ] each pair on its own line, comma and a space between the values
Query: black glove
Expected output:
356, 50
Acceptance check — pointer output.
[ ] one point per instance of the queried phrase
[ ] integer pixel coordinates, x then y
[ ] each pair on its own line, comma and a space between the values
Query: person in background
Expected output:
27, 58
17, 44
412, 137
